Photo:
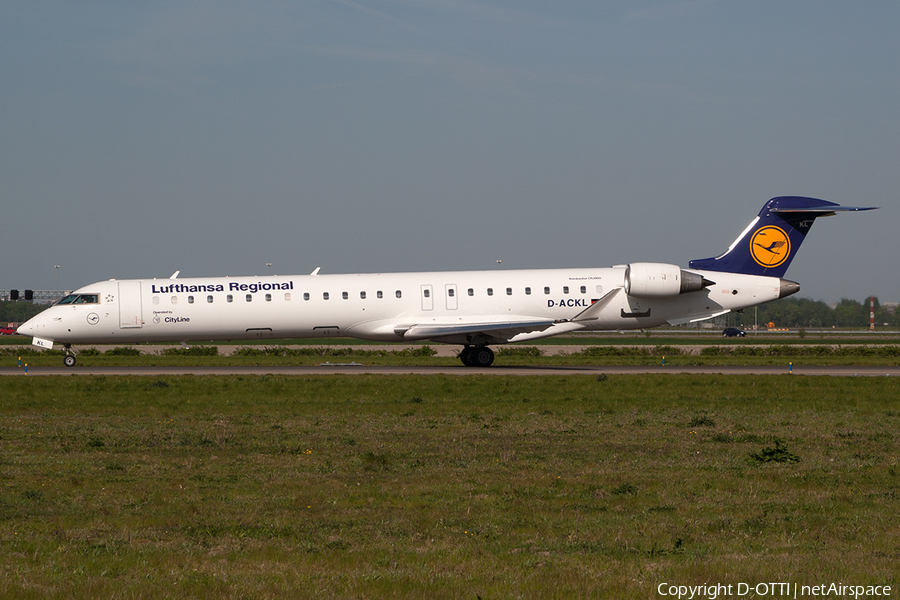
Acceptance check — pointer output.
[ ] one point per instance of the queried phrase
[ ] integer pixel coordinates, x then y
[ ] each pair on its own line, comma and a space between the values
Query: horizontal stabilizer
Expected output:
826, 209
768, 245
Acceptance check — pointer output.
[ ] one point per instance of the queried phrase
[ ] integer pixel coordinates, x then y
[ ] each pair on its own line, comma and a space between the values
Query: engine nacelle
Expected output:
659, 280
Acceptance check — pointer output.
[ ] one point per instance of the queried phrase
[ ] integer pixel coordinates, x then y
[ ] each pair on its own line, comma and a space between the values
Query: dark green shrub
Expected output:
531, 351
702, 421
123, 351
778, 454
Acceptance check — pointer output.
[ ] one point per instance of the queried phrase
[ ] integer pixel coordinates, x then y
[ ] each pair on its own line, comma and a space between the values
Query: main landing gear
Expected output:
477, 356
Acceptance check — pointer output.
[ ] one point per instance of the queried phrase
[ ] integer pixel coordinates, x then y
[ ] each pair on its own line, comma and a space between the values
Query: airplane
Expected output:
473, 309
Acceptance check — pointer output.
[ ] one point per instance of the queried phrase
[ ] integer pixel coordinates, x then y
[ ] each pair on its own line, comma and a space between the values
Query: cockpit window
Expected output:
80, 299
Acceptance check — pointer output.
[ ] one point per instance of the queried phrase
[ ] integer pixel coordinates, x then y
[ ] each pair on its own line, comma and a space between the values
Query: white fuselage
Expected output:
391, 307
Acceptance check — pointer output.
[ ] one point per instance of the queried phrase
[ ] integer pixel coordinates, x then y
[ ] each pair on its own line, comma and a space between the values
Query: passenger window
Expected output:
584, 289
547, 291
509, 291
398, 294
174, 299
209, 299
229, 298
249, 297
306, 295
155, 299
344, 295
287, 296
379, 294
450, 292
362, 295
490, 291
471, 292
268, 297
528, 291
565, 289
324, 295
190, 299
426, 293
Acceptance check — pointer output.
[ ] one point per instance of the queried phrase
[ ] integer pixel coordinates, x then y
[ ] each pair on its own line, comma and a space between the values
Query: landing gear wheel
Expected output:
69, 360
482, 356
466, 356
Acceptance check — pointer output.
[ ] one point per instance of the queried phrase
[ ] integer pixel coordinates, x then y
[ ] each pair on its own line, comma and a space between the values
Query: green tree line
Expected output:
18, 312
803, 312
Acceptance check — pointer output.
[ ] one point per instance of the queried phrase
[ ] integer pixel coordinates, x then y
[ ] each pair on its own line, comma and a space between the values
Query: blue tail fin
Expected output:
771, 241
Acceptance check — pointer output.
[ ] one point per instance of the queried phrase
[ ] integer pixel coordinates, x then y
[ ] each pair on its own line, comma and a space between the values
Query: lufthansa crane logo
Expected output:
770, 246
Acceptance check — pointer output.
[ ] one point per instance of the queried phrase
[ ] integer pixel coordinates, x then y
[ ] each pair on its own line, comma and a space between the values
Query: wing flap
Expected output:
502, 330
696, 318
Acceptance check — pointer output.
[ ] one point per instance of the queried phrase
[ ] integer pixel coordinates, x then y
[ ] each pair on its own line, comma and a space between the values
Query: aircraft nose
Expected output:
26, 328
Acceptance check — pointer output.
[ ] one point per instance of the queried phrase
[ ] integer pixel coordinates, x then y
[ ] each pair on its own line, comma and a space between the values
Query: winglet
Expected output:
592, 312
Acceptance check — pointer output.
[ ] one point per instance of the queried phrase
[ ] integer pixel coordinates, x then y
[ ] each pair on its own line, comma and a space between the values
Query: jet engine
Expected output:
659, 280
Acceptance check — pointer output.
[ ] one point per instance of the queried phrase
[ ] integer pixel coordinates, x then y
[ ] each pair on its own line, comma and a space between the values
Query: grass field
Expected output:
444, 487
878, 354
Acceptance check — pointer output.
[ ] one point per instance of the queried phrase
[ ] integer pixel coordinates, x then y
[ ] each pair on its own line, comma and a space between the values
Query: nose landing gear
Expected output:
69, 359
477, 356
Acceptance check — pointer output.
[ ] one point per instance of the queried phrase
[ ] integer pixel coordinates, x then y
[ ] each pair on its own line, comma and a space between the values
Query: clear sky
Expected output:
141, 138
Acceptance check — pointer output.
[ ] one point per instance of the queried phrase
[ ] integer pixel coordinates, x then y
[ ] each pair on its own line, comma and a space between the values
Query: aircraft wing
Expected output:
486, 331
472, 333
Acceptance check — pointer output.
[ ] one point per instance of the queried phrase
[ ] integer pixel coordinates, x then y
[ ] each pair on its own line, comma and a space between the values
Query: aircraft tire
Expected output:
482, 357
466, 356
69, 360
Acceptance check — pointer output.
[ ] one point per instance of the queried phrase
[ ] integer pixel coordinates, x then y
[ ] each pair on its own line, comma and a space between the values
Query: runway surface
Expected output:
335, 369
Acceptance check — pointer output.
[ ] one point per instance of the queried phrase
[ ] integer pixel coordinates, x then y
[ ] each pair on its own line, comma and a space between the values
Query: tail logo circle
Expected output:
770, 246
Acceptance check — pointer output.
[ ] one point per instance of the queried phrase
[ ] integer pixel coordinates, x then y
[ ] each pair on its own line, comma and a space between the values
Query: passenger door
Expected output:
130, 313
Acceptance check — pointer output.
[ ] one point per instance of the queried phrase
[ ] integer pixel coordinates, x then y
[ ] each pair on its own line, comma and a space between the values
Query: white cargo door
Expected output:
130, 315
